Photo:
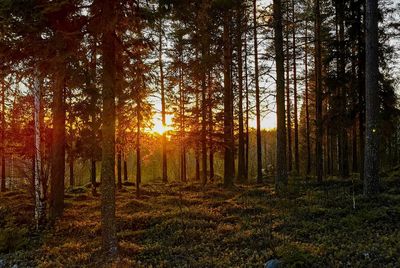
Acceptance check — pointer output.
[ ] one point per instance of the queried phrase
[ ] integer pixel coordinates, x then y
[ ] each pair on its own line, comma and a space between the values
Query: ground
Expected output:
315, 225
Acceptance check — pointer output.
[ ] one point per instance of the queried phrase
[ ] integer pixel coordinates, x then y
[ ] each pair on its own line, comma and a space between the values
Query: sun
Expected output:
158, 127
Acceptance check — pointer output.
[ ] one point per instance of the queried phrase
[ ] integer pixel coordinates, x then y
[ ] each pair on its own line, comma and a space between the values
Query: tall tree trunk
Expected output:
318, 94
228, 127
371, 161
308, 130
281, 166
210, 126
246, 173
3, 139
71, 171
203, 129
182, 127
58, 145
40, 204
125, 169
241, 158
256, 77
119, 169
296, 122
343, 139
361, 88
138, 152
288, 103
163, 112
108, 222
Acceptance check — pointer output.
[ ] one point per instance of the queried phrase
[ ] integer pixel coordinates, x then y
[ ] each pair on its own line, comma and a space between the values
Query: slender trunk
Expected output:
119, 169
308, 130
361, 90
288, 103
138, 152
3, 139
281, 166
125, 169
246, 173
228, 127
40, 205
204, 130
93, 173
71, 171
241, 157
163, 112
371, 161
256, 76
58, 146
108, 221
210, 127
318, 94
296, 122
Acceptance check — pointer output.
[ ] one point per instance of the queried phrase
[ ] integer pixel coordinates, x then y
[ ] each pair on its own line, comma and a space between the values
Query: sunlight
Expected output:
158, 126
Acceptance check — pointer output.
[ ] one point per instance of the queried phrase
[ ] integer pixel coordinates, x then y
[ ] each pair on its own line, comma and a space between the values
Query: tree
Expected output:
318, 93
109, 233
281, 172
371, 161
228, 106
256, 78
40, 205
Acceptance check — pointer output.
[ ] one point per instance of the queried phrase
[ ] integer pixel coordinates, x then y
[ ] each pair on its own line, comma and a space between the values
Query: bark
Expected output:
40, 204
163, 112
288, 102
318, 94
125, 169
281, 166
228, 127
108, 221
3, 139
296, 122
138, 151
256, 77
371, 157
119, 169
308, 130
241, 156
58, 145
246, 172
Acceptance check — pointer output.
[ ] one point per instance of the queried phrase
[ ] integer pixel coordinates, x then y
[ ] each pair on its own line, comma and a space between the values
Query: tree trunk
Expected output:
308, 130
241, 157
163, 112
3, 139
246, 173
40, 205
296, 122
108, 221
125, 169
281, 166
138, 152
371, 161
228, 127
318, 94
288, 104
58, 145
256, 76
119, 169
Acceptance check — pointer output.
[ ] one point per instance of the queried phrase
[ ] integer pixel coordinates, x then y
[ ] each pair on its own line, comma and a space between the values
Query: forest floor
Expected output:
316, 225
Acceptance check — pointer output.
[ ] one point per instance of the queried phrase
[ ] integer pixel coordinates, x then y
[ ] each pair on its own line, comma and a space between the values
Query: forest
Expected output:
199, 133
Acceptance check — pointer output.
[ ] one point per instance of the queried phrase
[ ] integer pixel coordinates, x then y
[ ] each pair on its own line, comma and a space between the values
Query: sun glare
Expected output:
158, 126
